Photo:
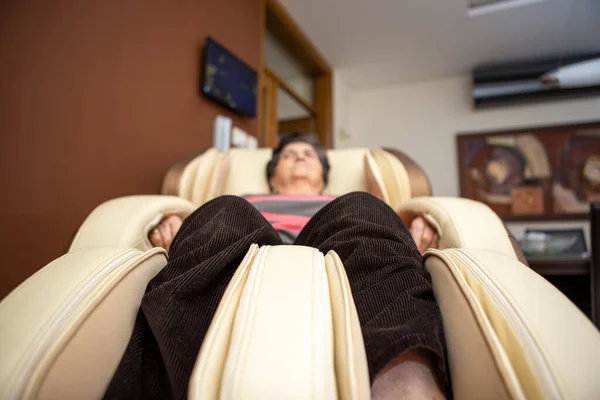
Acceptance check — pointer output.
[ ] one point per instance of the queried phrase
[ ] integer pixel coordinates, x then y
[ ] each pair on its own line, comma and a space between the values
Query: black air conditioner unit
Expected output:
522, 83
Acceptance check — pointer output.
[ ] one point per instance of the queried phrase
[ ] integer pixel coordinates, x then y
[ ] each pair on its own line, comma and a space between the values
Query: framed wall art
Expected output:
548, 173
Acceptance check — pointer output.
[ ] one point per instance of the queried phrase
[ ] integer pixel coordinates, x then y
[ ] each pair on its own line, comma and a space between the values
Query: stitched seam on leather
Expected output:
19, 365
315, 301
395, 180
50, 326
220, 317
396, 177
75, 289
510, 320
405, 175
481, 320
347, 327
372, 173
248, 323
85, 309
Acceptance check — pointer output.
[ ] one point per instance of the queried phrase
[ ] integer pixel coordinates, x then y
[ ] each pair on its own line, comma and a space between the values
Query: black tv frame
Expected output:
217, 99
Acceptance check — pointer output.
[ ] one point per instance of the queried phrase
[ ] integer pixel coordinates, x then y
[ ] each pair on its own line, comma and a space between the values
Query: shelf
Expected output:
547, 217
572, 266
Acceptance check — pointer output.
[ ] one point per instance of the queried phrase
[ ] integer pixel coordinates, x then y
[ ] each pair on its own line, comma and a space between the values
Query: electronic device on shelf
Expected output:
554, 244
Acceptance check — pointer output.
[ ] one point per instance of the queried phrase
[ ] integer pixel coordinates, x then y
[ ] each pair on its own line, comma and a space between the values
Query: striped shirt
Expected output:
288, 213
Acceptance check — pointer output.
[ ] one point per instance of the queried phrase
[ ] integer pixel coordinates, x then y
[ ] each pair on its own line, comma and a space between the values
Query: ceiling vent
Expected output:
480, 7
550, 79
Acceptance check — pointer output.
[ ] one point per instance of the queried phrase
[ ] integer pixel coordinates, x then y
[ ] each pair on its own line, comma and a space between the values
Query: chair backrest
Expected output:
243, 171
388, 174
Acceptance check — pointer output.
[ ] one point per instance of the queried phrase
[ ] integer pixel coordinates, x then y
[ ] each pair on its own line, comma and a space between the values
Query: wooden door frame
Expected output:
278, 21
267, 98
297, 124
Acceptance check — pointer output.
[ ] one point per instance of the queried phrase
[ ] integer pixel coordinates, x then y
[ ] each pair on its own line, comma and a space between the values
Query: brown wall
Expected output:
97, 100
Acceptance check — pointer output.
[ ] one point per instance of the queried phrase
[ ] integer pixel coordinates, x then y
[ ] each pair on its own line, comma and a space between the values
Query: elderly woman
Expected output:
400, 320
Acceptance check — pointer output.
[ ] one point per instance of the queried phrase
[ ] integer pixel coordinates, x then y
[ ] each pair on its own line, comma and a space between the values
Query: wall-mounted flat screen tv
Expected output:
228, 80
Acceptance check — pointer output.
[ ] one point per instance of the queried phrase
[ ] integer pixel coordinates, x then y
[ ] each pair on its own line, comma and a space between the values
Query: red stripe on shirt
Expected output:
289, 198
293, 223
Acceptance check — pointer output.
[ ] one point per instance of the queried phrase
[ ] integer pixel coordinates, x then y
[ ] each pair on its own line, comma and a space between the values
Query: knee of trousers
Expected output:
230, 201
361, 198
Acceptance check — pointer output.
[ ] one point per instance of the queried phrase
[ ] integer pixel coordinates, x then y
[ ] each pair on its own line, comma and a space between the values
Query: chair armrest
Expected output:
126, 221
460, 223
64, 330
509, 331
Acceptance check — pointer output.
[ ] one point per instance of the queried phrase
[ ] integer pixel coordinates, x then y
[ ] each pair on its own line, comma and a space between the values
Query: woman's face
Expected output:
299, 170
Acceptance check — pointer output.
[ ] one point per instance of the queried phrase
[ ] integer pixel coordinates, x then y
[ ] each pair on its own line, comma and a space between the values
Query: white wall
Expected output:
423, 119
342, 105
287, 106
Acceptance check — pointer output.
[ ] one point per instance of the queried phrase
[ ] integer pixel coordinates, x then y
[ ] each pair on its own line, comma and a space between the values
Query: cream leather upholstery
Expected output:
246, 356
188, 176
395, 178
347, 172
126, 221
248, 177
510, 334
524, 338
242, 171
191, 178
83, 306
460, 223
64, 330
201, 182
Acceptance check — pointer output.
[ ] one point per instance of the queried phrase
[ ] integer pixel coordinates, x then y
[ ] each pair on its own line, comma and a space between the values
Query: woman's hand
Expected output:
164, 233
424, 234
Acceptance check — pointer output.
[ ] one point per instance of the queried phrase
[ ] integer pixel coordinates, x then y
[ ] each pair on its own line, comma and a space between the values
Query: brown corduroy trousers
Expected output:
391, 289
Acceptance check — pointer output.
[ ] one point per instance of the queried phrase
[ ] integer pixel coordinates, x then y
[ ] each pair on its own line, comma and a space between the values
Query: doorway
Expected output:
295, 86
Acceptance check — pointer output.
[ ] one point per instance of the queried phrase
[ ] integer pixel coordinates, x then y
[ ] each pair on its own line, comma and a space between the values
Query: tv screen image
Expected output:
228, 80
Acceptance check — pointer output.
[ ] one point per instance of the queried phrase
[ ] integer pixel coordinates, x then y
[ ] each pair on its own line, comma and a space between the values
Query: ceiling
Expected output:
373, 43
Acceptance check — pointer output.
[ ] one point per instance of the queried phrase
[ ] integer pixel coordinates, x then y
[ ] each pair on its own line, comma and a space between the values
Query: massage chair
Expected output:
287, 327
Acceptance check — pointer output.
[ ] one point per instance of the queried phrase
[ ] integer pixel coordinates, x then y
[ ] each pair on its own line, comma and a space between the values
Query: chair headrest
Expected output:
244, 171
389, 175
